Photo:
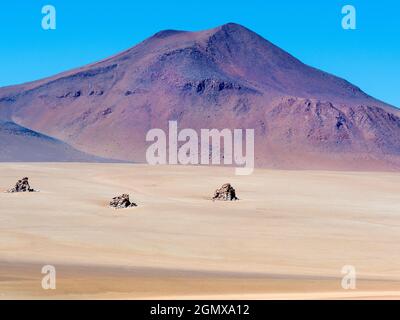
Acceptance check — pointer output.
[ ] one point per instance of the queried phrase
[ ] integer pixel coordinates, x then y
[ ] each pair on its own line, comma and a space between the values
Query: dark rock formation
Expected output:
225, 193
22, 186
122, 202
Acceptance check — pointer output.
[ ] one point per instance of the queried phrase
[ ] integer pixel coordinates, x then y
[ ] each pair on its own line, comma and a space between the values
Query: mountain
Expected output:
224, 77
21, 144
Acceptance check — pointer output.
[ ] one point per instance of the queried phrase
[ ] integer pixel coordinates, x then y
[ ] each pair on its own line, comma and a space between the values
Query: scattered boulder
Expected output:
225, 193
122, 202
22, 186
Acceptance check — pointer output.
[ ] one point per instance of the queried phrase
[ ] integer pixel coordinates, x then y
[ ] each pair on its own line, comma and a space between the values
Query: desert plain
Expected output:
288, 236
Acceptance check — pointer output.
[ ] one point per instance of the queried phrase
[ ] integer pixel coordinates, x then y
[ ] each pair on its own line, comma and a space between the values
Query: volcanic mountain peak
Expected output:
232, 51
167, 33
229, 53
228, 28
226, 77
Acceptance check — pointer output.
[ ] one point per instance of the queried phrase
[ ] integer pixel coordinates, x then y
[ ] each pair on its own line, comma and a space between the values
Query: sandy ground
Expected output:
288, 237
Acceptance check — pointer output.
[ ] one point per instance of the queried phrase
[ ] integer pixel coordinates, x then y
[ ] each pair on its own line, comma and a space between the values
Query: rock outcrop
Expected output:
22, 186
225, 193
121, 202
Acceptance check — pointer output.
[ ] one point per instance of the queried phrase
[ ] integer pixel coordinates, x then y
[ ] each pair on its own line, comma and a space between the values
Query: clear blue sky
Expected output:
89, 30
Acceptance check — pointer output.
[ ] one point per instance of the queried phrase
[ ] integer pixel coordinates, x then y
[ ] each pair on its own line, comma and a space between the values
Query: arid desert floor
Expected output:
287, 237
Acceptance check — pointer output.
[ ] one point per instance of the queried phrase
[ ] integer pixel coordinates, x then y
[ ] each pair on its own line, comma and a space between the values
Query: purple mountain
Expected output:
21, 144
227, 77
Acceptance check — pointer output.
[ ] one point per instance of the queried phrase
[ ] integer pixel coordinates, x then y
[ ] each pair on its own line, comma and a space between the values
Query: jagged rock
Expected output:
225, 193
122, 202
22, 186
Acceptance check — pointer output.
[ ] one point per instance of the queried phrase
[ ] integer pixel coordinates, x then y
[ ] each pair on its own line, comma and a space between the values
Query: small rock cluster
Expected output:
22, 186
225, 193
121, 202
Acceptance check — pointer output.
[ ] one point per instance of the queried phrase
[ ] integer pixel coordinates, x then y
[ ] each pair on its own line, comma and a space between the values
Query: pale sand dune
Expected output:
288, 237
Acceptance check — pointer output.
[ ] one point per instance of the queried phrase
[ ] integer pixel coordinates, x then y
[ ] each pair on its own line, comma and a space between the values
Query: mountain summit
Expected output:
224, 77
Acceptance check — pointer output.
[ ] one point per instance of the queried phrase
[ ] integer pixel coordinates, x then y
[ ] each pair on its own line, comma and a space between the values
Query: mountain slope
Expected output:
224, 77
21, 144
